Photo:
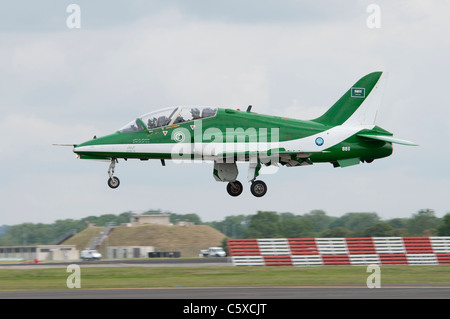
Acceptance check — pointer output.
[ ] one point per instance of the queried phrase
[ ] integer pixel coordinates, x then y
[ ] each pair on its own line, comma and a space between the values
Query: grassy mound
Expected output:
188, 240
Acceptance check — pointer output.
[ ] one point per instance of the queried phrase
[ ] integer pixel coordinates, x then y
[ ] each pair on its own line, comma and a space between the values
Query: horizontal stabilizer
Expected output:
389, 139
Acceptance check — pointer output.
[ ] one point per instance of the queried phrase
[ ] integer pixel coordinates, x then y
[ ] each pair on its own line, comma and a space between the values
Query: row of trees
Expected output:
263, 224
30, 234
45, 234
318, 224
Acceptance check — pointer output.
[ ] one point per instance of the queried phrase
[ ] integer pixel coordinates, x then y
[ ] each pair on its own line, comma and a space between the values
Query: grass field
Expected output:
148, 277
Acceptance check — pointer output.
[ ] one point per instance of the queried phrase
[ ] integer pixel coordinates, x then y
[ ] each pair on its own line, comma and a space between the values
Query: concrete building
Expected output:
40, 252
123, 252
159, 219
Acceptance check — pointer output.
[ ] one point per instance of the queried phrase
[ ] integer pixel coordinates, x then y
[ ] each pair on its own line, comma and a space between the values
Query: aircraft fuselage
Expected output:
344, 135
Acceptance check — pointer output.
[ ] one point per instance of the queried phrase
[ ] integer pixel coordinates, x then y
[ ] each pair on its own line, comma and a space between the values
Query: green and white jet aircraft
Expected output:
344, 135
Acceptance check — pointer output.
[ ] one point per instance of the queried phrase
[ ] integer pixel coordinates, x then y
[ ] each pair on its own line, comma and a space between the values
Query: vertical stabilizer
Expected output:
359, 105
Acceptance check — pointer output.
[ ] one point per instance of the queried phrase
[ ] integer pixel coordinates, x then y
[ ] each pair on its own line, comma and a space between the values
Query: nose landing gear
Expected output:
113, 181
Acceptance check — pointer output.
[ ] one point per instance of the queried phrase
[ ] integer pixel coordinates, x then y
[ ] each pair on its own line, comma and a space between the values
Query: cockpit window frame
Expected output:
134, 126
201, 109
140, 125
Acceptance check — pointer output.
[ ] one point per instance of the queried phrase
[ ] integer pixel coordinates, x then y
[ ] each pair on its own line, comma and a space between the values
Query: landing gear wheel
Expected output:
113, 182
258, 188
234, 188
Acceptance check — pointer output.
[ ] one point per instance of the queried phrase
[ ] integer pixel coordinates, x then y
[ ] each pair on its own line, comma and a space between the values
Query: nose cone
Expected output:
92, 149
80, 148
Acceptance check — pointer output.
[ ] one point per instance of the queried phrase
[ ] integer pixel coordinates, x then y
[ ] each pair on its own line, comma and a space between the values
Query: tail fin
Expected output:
359, 105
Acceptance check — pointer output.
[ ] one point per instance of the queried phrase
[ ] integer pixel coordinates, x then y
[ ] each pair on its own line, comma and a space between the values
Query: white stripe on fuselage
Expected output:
330, 138
308, 144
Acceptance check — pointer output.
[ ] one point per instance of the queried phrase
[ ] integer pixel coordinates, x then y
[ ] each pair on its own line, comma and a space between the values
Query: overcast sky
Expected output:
289, 58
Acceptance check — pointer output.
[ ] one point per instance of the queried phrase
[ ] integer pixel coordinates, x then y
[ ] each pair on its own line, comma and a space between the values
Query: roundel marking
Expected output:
319, 141
179, 136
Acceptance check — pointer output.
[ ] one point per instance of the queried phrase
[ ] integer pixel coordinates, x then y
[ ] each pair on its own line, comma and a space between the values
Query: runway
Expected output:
422, 291
175, 262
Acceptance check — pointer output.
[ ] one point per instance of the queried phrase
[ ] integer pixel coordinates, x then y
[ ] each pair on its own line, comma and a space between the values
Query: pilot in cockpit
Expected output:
162, 121
151, 123
179, 119
195, 113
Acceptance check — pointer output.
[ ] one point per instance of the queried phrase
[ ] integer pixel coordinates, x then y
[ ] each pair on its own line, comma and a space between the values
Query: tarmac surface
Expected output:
153, 262
240, 293
425, 291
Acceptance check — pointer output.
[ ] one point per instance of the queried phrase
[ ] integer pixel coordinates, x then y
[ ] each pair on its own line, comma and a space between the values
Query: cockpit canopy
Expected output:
169, 116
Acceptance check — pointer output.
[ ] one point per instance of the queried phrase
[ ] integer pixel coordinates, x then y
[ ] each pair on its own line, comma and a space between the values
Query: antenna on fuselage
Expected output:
249, 108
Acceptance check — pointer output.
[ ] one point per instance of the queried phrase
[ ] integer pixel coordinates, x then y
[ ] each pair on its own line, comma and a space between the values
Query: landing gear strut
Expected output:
113, 181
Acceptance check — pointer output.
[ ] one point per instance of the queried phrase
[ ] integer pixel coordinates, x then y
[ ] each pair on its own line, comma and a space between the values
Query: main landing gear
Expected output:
228, 172
258, 188
235, 188
113, 181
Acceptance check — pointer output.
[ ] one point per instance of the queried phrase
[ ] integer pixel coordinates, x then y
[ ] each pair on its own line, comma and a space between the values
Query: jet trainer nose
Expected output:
99, 149
93, 149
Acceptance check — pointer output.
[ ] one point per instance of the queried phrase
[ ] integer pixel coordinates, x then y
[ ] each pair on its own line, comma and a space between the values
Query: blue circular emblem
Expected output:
319, 141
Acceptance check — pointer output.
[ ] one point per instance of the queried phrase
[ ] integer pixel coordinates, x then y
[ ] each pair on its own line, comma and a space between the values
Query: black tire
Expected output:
235, 188
258, 188
113, 182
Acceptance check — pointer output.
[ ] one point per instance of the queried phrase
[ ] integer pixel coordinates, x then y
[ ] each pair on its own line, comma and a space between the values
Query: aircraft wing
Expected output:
389, 139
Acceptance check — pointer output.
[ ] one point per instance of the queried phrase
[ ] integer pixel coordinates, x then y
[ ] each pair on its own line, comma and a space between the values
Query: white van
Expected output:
90, 254
213, 252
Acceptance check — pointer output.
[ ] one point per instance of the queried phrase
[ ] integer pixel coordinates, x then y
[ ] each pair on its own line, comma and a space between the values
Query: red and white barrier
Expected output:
340, 251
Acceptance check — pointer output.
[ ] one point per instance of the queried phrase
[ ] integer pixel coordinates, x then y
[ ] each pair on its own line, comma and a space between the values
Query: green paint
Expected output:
328, 138
350, 101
